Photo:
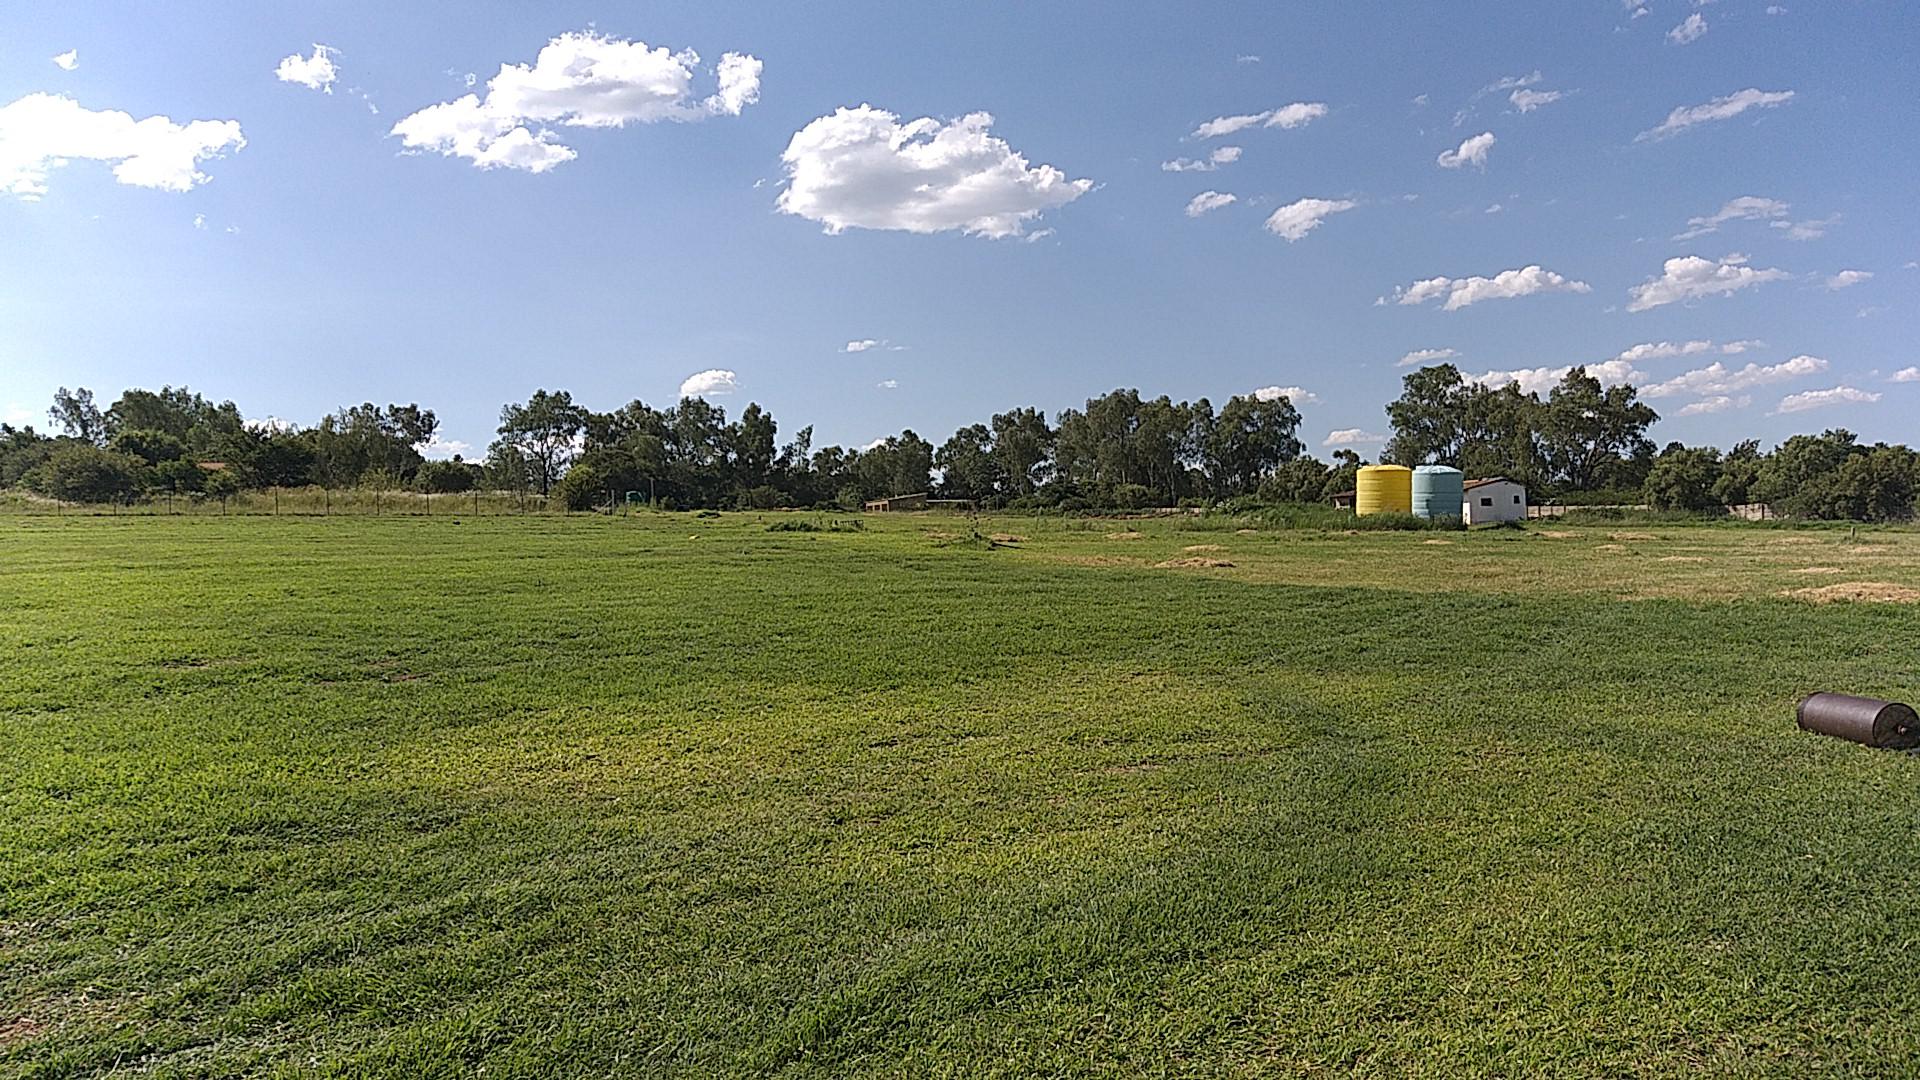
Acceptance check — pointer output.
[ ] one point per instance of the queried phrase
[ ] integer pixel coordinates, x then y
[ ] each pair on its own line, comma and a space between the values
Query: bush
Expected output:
445, 477
82, 472
579, 489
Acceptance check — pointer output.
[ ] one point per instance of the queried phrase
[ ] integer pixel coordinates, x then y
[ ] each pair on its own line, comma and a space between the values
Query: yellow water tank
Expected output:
1384, 489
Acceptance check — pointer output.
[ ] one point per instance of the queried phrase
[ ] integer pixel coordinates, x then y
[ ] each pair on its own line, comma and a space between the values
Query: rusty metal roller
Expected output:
1887, 725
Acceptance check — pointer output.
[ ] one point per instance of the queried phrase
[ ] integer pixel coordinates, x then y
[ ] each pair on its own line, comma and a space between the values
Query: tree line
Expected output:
1121, 451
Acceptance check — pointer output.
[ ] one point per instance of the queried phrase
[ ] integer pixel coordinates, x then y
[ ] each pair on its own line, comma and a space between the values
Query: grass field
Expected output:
664, 795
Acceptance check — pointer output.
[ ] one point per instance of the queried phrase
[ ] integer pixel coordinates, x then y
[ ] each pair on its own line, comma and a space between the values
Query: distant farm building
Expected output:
1345, 499
917, 501
1495, 498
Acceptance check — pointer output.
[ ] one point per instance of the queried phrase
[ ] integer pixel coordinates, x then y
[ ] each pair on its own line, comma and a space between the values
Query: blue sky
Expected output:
330, 260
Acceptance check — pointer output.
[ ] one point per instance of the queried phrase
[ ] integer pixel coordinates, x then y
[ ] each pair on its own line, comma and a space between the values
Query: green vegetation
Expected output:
682, 796
1585, 444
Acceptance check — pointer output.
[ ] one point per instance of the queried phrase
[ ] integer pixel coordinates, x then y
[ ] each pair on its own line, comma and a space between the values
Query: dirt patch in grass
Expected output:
19, 1029
1558, 534
1683, 558
1868, 592
1783, 541
1007, 538
1817, 570
1631, 536
1128, 535
1195, 562
1611, 547
1102, 560
1436, 541
942, 536
1246, 532
1202, 547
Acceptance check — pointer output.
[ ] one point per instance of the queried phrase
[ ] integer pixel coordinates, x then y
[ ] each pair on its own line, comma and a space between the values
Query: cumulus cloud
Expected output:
714, 382
1295, 115
68, 60
1292, 393
1528, 100
42, 132
1541, 380
1297, 219
1744, 208
887, 384
1426, 356
1905, 374
860, 346
1848, 277
1717, 404
1352, 436
1818, 399
1689, 31
1717, 378
1691, 277
1720, 108
444, 449
1225, 155
579, 79
864, 169
1209, 200
1471, 152
316, 72
1456, 293
1663, 350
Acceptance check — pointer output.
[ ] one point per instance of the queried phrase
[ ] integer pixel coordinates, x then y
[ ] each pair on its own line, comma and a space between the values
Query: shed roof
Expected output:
1485, 480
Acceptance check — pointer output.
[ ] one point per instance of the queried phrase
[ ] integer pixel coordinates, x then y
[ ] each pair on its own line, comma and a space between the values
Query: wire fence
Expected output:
302, 502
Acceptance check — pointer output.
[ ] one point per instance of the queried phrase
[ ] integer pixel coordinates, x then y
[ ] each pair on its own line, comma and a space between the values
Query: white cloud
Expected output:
1717, 404
316, 72
1426, 356
860, 346
1506, 285
1662, 350
68, 60
1352, 436
441, 449
1776, 9
1471, 152
1905, 374
864, 169
1528, 100
1816, 399
1689, 31
1295, 115
579, 79
42, 132
1691, 277
1807, 230
1720, 108
887, 384
16, 415
1744, 208
1297, 219
200, 221
1717, 378
1225, 155
1848, 277
714, 382
1542, 380
1292, 393
1246, 58
1209, 200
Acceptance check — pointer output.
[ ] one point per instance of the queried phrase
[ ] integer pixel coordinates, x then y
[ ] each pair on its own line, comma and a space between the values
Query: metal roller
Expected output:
1887, 725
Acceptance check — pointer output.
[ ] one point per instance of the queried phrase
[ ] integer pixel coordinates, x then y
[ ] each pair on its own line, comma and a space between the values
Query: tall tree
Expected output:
1023, 444
543, 431
1594, 435
75, 413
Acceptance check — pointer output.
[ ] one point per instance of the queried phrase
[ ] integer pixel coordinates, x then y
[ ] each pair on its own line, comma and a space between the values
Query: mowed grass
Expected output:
662, 795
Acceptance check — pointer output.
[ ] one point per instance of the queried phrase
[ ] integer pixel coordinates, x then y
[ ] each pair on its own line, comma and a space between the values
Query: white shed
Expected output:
1495, 498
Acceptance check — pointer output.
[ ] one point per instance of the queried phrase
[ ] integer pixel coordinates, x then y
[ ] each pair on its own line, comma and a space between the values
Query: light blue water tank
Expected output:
1438, 491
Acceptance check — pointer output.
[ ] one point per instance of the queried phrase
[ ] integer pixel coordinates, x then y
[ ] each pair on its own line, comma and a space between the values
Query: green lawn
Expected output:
663, 795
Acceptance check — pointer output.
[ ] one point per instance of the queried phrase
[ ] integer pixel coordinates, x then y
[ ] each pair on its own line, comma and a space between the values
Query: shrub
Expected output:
82, 472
